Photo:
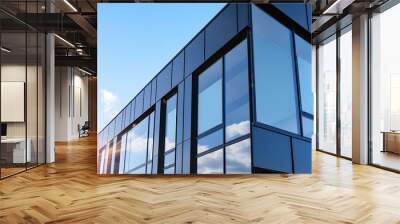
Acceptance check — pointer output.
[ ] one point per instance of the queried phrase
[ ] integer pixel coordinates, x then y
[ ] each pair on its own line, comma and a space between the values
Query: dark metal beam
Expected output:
81, 61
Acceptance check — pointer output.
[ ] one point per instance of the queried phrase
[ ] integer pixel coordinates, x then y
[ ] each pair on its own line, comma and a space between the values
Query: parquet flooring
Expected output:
69, 191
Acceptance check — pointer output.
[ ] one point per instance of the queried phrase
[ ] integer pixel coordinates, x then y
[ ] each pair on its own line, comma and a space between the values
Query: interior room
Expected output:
22, 100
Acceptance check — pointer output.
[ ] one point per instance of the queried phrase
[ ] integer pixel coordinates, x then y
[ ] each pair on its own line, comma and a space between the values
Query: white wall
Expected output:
71, 102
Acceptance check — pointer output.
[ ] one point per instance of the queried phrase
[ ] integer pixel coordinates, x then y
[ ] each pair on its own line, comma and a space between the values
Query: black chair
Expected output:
84, 130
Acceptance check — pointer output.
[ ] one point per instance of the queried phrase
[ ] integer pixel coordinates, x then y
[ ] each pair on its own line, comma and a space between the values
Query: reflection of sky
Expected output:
135, 41
211, 163
210, 141
274, 73
137, 148
238, 157
237, 129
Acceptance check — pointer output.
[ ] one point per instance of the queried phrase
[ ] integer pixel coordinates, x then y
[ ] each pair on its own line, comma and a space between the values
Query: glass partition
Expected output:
346, 92
327, 95
22, 88
385, 89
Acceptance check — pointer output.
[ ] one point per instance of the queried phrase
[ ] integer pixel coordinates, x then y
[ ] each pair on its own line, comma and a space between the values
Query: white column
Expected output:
360, 90
50, 99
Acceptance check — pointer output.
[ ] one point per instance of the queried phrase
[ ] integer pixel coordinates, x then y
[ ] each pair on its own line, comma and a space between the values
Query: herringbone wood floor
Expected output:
69, 191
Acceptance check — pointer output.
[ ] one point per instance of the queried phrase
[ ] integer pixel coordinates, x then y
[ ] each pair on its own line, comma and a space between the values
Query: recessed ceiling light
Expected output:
70, 5
84, 71
5, 50
64, 40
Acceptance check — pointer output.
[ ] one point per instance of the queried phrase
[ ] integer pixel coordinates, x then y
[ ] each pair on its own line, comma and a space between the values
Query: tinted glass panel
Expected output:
133, 115
178, 69
147, 97
137, 148
221, 30
210, 96
170, 126
238, 157
211, 163
153, 91
210, 141
169, 170
243, 15
187, 123
186, 157
276, 103
180, 116
139, 104
150, 143
194, 54
236, 92
303, 52
296, 11
169, 158
122, 154
164, 81
308, 127
127, 116
178, 159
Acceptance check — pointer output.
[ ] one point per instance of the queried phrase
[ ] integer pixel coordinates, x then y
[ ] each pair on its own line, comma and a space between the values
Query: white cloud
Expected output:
110, 101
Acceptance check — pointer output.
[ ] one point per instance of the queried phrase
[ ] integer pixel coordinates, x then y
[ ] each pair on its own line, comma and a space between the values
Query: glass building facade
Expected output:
236, 99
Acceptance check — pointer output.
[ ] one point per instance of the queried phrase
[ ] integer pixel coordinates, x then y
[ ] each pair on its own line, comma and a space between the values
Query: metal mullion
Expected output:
317, 96
223, 112
26, 87
250, 70
369, 91
0, 94
338, 73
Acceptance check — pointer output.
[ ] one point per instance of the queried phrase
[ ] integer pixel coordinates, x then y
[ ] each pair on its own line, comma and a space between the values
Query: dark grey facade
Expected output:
236, 99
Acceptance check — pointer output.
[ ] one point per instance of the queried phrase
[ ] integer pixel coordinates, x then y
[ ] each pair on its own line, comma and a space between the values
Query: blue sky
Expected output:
135, 41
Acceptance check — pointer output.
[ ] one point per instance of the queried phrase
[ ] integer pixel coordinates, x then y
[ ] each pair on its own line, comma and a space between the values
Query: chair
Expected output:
84, 130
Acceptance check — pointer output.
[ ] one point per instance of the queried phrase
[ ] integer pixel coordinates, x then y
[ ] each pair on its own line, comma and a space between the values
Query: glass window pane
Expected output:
169, 158
210, 141
238, 157
137, 147
150, 143
327, 96
346, 74
122, 154
276, 103
211, 163
237, 92
210, 96
303, 52
170, 126
170, 170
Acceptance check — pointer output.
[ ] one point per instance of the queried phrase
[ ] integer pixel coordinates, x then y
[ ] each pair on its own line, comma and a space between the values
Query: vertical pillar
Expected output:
360, 90
50, 99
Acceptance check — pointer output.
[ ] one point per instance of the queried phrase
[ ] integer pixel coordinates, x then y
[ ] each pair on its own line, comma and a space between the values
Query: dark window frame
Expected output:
244, 35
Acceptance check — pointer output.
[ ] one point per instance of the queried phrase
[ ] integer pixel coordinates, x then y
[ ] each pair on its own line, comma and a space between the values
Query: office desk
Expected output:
13, 150
391, 141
